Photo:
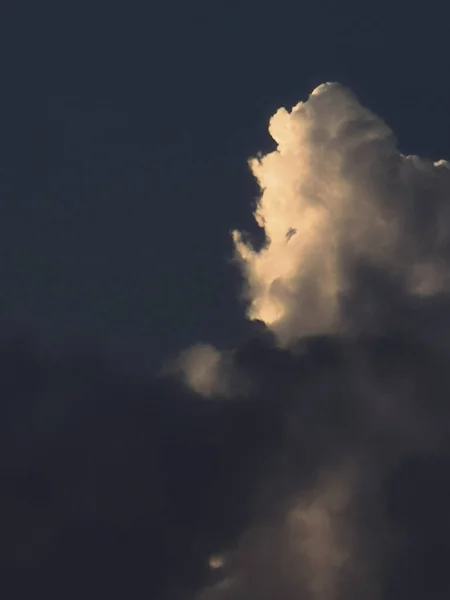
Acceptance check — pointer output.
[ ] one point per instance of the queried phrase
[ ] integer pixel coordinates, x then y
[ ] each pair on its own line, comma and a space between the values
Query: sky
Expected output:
225, 301
126, 136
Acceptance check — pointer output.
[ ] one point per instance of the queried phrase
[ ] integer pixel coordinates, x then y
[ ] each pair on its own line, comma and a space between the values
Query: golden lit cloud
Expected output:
336, 195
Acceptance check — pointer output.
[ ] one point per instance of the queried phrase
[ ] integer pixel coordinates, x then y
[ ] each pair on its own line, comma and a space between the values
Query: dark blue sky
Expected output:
125, 136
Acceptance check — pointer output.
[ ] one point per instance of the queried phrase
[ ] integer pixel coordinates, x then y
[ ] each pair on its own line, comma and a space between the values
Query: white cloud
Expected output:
338, 202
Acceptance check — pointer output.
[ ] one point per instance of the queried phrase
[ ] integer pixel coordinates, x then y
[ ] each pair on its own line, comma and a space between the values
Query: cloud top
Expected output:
343, 211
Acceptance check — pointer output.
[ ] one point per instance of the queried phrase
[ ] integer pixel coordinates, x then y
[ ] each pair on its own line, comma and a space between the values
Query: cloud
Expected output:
202, 370
107, 480
124, 484
209, 372
321, 469
340, 205
346, 416
353, 281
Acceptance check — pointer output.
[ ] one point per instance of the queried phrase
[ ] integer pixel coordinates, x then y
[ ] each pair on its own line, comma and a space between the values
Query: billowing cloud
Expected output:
354, 281
348, 220
321, 469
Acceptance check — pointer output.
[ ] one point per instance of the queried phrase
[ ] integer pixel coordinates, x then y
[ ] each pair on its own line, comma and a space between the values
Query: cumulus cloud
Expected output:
340, 207
324, 476
353, 281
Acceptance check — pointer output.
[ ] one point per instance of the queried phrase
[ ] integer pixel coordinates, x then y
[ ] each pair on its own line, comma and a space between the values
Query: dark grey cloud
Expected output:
321, 482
